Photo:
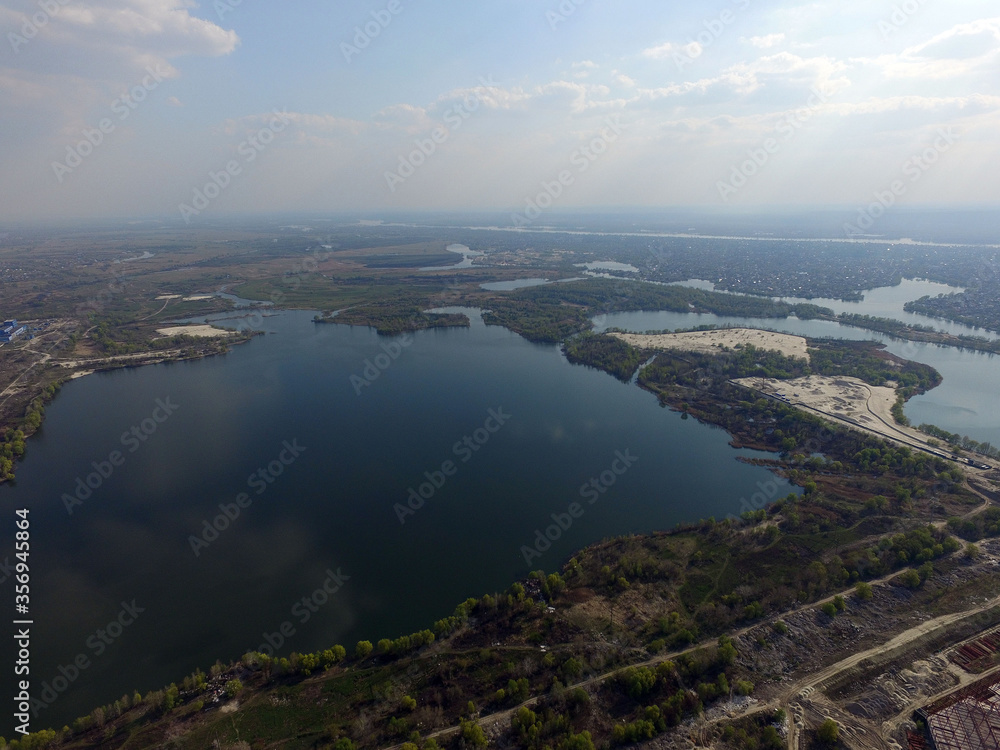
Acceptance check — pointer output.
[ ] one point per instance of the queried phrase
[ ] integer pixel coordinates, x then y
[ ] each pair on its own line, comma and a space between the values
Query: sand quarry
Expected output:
849, 401
201, 331
712, 342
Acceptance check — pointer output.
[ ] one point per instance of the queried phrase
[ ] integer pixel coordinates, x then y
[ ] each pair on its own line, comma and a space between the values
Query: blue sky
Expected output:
734, 103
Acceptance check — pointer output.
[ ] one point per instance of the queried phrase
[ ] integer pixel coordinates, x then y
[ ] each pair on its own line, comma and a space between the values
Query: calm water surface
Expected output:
332, 507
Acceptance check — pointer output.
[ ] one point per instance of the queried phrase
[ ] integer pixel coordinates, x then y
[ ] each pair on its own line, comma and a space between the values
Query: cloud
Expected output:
765, 42
961, 50
84, 55
662, 52
103, 34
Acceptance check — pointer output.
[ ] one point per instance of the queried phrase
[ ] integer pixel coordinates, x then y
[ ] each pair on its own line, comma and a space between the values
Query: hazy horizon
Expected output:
138, 108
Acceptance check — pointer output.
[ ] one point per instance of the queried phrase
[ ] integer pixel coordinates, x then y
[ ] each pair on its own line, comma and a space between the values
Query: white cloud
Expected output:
961, 50
662, 52
765, 42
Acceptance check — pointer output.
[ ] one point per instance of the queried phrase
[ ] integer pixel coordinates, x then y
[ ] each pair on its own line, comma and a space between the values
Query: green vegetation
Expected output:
554, 312
12, 444
759, 731
828, 732
980, 526
961, 442
867, 361
392, 318
606, 353
914, 332
975, 307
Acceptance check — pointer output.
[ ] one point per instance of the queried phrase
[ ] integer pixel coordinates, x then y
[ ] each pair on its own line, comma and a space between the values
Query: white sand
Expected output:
710, 342
847, 400
204, 331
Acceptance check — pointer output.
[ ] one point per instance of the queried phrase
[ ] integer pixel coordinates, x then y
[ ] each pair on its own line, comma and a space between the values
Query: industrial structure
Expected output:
968, 719
10, 330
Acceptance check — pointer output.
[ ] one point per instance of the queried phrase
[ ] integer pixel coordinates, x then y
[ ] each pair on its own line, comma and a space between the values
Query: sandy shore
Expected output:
203, 331
711, 342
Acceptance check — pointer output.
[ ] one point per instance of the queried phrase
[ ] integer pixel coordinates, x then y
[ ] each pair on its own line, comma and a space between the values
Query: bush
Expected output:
744, 687
910, 579
863, 591
829, 732
829, 609
233, 688
473, 734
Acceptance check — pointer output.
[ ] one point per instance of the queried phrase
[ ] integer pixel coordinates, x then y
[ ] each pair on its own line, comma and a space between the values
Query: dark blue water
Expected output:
331, 508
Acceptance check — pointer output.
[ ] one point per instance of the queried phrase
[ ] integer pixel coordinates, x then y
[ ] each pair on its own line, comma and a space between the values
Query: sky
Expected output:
173, 108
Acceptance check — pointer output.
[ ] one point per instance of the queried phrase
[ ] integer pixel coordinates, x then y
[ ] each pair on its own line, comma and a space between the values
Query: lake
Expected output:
286, 466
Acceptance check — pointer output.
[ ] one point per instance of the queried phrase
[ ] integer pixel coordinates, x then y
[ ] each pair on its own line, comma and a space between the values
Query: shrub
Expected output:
233, 688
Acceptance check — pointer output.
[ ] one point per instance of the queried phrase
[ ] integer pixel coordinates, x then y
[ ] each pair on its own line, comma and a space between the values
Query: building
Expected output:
10, 330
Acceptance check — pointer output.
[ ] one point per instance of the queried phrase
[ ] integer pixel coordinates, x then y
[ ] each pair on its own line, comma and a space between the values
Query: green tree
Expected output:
473, 734
829, 732
727, 651
910, 579
863, 591
363, 649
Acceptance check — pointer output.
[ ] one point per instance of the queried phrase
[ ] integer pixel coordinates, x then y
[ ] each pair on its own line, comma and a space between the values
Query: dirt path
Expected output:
165, 303
806, 685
